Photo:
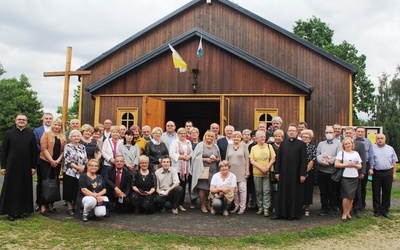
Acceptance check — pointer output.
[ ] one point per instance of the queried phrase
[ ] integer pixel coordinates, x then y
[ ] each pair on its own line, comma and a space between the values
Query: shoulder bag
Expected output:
337, 175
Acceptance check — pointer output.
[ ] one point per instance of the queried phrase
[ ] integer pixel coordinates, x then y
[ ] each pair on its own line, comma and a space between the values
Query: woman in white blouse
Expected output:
351, 162
180, 152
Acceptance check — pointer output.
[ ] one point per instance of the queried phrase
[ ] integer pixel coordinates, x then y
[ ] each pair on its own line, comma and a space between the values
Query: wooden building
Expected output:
250, 71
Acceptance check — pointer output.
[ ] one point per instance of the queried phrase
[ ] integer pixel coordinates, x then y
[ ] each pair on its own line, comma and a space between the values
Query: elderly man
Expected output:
119, 184
169, 135
276, 124
214, 127
223, 142
326, 156
74, 124
168, 188
369, 159
383, 175
146, 132
18, 163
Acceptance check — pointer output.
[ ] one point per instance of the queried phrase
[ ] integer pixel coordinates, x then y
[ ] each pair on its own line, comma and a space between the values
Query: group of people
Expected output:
137, 170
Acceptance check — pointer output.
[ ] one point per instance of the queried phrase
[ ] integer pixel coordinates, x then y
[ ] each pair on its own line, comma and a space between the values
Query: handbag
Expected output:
205, 174
337, 175
50, 190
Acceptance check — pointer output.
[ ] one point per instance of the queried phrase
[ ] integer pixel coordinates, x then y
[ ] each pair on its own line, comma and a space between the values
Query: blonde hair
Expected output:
208, 133
87, 127
115, 129
347, 139
61, 134
180, 130
237, 133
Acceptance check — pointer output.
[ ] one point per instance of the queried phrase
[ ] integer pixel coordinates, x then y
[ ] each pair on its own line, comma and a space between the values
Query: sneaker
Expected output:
259, 212
307, 213
266, 213
175, 211
241, 211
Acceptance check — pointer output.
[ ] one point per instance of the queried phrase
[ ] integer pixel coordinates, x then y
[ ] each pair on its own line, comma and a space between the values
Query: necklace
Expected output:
144, 175
235, 147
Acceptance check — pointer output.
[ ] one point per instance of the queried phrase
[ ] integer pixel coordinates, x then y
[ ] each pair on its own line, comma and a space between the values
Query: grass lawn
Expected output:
41, 232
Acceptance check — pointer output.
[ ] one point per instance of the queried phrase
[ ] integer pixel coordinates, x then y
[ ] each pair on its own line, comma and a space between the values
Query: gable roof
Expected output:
196, 32
244, 11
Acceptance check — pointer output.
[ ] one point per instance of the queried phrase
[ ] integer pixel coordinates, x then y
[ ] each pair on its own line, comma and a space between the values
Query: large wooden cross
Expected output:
67, 74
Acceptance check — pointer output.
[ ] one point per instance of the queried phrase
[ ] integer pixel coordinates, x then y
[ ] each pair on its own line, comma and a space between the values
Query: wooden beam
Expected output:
67, 74
71, 73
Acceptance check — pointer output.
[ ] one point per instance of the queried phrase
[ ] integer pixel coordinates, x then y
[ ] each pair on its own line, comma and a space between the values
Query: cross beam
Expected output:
67, 74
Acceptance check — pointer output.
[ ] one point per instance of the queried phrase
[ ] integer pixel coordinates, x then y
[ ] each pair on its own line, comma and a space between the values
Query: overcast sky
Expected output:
34, 34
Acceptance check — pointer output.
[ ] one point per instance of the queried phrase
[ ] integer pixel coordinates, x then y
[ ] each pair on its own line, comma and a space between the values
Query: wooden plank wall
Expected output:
328, 79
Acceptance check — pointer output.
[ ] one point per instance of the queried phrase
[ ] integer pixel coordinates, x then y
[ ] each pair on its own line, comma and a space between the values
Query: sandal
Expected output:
307, 213
71, 212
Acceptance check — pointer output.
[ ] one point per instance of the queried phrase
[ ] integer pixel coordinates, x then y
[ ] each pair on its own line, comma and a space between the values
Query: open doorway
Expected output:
201, 113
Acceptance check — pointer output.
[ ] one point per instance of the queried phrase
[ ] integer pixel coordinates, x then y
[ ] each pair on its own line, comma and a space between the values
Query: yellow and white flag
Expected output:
179, 63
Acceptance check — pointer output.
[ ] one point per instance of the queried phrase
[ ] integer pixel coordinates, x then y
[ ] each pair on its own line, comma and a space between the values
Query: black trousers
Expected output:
382, 183
328, 191
364, 183
174, 196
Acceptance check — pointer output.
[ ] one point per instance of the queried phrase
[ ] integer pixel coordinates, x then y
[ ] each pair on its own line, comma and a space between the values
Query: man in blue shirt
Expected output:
384, 174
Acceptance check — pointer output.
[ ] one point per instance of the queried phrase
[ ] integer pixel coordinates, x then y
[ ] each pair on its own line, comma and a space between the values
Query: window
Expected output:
264, 115
127, 116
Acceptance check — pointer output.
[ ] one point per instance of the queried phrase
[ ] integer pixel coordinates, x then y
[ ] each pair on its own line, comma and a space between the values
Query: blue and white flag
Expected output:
200, 48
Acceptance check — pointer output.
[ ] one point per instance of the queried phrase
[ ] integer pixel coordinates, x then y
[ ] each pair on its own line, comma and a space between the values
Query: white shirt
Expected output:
347, 157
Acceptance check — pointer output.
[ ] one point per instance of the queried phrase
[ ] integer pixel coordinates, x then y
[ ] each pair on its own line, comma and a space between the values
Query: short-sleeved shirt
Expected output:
262, 155
217, 181
166, 179
347, 157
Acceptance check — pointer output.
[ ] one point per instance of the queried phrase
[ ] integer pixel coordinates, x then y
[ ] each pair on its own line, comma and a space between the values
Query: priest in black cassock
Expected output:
18, 163
290, 171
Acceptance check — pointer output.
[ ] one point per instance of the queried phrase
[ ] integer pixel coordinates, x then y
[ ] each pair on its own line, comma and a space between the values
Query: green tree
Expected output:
17, 97
387, 108
318, 32
2, 71
73, 111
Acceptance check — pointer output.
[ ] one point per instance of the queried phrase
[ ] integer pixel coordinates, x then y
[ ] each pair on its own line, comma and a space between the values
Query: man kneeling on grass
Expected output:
168, 188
